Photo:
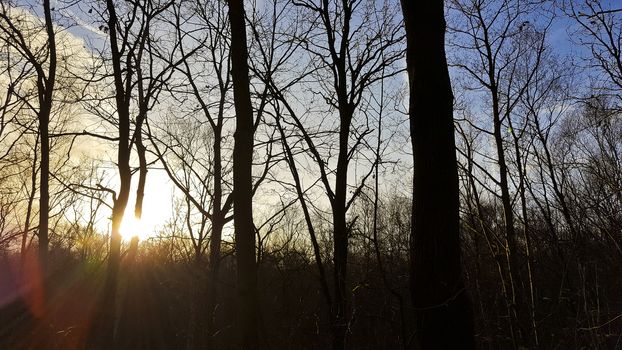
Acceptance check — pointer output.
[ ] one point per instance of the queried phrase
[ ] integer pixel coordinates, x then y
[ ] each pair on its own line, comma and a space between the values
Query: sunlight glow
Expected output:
132, 226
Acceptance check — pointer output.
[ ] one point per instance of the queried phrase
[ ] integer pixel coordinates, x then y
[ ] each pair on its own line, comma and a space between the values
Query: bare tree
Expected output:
130, 49
500, 60
599, 30
43, 61
349, 46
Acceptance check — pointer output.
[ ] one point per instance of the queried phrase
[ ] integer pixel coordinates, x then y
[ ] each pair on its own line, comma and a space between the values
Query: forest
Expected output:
310, 174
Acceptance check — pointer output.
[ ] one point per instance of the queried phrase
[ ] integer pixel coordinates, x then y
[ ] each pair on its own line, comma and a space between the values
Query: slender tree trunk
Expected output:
107, 309
31, 199
218, 221
559, 193
531, 326
511, 248
340, 307
205, 337
442, 307
493, 246
212, 295
307, 215
106, 314
394, 292
44, 196
242, 182
142, 173
46, 90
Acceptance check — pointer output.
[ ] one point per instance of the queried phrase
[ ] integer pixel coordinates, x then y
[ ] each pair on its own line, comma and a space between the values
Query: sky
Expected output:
159, 190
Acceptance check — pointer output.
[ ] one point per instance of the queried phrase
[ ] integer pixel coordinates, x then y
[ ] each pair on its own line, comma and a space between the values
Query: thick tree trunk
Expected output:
442, 308
242, 181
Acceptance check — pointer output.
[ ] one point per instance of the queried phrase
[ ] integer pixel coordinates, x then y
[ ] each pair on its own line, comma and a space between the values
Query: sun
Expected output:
134, 227
156, 209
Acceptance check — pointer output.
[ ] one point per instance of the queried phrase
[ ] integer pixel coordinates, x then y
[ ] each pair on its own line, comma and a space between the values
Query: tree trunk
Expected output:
242, 181
142, 172
341, 310
44, 192
442, 307
340, 306
103, 329
46, 90
517, 312
211, 297
31, 199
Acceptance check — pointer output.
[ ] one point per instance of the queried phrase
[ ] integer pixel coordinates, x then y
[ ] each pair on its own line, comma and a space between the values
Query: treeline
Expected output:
302, 217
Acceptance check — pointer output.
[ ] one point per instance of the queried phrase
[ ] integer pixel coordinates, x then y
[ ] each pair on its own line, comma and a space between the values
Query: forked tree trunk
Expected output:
102, 336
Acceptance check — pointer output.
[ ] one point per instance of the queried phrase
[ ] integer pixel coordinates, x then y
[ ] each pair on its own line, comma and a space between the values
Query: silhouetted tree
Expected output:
349, 46
500, 51
441, 303
102, 335
247, 312
43, 62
